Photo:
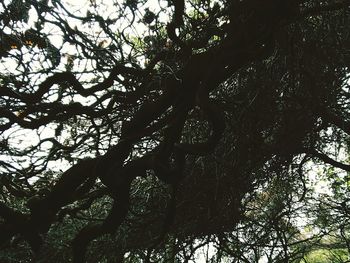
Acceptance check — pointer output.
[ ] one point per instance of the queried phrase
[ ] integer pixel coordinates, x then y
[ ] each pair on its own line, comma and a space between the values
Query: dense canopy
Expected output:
174, 131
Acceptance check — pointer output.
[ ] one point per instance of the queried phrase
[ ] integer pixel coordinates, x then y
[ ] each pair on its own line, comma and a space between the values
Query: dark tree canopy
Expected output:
143, 131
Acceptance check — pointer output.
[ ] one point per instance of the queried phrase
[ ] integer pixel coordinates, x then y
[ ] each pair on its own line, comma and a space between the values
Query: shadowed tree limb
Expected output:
325, 158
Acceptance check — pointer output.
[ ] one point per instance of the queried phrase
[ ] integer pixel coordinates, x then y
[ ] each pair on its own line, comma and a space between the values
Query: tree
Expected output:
169, 126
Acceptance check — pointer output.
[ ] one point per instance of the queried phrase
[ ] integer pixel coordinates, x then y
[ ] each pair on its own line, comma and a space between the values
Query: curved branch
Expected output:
68, 77
150, 111
120, 189
215, 117
325, 158
73, 183
57, 111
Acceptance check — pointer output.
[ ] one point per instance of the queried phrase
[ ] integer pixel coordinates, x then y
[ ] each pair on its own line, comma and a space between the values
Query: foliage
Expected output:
174, 131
